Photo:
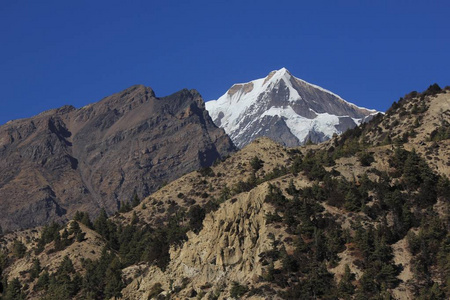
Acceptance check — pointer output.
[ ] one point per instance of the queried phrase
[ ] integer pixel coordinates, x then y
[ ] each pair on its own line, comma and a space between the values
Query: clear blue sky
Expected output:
76, 52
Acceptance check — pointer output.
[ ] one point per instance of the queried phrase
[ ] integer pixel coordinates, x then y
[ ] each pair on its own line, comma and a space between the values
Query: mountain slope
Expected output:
284, 108
360, 216
334, 225
70, 159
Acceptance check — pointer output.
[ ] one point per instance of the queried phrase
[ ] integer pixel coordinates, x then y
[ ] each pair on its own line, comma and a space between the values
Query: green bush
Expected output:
256, 163
19, 249
366, 158
238, 290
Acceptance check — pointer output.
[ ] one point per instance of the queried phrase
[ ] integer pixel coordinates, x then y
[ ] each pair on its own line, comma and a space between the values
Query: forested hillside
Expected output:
365, 215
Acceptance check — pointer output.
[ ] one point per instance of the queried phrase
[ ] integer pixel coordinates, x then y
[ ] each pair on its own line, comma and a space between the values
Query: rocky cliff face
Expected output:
70, 159
232, 240
226, 250
285, 109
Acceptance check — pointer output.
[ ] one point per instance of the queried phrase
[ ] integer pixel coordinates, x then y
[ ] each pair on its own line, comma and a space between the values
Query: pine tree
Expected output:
14, 290
113, 279
78, 216
134, 218
256, 163
353, 201
59, 245
66, 266
387, 276
411, 172
19, 249
101, 225
135, 202
196, 216
85, 220
345, 287
291, 189
74, 228
35, 269
43, 281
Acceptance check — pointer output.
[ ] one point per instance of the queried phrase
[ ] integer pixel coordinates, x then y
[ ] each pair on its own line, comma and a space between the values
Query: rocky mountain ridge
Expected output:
68, 159
289, 110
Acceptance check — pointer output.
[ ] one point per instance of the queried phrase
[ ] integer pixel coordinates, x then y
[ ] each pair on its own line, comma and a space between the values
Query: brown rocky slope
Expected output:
68, 159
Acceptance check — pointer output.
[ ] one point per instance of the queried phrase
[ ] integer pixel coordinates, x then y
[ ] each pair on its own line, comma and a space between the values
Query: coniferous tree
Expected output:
256, 163
14, 290
114, 282
101, 224
19, 249
134, 218
196, 216
135, 202
35, 269
345, 287
66, 266
43, 281
74, 228
87, 221
411, 172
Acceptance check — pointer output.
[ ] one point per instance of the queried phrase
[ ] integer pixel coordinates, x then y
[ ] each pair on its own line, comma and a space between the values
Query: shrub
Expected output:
256, 163
19, 249
237, 290
207, 171
433, 90
366, 158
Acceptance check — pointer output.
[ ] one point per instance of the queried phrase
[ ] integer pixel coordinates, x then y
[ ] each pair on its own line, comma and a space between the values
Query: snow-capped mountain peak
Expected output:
285, 108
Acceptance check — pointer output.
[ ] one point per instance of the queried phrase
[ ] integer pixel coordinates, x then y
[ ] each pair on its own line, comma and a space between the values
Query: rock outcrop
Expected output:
226, 250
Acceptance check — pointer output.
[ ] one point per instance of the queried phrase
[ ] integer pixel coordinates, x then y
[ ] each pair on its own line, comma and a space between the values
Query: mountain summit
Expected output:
287, 109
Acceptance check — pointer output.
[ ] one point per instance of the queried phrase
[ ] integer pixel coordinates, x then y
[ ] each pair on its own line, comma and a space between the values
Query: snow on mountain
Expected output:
287, 109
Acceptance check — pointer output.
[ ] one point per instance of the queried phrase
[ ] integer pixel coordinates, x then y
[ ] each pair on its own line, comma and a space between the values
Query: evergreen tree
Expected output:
135, 202
78, 216
14, 290
101, 224
411, 172
43, 281
114, 282
87, 221
3, 264
134, 218
345, 287
57, 291
256, 163
59, 245
196, 216
74, 228
353, 201
35, 269
19, 249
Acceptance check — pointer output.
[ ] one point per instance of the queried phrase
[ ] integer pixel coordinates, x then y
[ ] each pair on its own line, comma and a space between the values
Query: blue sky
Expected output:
371, 53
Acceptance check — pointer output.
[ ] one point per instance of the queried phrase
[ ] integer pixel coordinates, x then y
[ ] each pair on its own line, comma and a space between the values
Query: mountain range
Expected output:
364, 215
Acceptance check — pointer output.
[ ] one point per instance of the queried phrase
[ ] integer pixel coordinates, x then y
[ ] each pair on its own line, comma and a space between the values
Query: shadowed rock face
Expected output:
70, 159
